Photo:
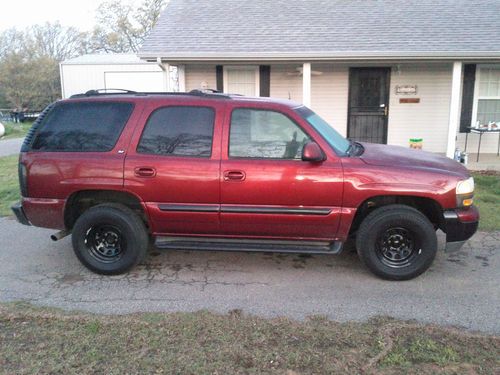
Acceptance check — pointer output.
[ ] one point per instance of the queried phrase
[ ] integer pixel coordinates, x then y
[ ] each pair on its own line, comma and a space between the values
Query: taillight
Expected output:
23, 179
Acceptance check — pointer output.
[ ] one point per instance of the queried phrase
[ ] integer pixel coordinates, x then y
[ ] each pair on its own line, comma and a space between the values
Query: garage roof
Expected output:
104, 59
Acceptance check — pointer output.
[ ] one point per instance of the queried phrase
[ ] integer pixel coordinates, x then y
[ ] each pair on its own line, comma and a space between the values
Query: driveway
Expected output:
461, 289
10, 146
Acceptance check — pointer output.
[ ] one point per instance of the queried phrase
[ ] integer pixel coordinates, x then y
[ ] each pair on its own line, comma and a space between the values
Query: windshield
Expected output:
335, 140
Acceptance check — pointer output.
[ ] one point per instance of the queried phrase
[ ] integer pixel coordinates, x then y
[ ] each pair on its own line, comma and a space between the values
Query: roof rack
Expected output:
108, 92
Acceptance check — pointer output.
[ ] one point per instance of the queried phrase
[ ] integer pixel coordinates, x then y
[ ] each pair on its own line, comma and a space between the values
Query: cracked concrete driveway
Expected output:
10, 146
461, 289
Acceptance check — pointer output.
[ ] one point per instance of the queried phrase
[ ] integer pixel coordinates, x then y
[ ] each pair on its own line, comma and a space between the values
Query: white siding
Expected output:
196, 74
427, 119
284, 85
329, 90
76, 79
330, 94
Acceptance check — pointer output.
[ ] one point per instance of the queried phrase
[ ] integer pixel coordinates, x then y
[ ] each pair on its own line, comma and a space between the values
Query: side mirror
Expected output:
312, 153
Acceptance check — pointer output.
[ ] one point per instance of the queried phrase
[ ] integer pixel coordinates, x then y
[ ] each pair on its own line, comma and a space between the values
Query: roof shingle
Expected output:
234, 29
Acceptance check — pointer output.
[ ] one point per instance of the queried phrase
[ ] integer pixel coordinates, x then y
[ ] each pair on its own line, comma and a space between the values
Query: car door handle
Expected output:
145, 172
234, 176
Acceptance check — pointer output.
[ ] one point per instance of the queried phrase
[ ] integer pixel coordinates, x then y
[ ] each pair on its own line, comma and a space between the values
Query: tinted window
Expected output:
265, 134
82, 127
179, 131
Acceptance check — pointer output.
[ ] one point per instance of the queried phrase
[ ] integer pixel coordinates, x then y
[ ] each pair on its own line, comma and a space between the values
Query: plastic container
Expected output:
416, 143
464, 158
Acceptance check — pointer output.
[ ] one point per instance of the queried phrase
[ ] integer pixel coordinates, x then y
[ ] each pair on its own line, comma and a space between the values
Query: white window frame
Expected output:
242, 67
477, 84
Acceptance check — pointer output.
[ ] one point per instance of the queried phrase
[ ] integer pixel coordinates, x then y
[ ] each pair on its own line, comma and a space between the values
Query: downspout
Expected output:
166, 73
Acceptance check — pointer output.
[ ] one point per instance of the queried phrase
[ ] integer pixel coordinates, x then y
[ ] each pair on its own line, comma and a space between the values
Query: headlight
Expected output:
465, 193
466, 186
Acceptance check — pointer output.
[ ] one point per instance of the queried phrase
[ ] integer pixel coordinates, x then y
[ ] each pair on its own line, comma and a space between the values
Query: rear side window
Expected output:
82, 127
179, 131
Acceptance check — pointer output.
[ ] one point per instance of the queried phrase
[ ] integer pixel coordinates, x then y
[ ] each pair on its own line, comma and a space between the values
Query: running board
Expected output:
273, 246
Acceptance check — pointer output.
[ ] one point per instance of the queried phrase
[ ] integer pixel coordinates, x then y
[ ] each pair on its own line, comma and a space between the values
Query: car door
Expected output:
173, 164
266, 189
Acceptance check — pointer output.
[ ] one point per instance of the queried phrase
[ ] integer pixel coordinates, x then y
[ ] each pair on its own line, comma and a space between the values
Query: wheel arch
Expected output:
80, 201
427, 206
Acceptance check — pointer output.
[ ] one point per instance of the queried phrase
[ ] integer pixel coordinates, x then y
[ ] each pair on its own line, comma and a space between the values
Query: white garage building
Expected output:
112, 71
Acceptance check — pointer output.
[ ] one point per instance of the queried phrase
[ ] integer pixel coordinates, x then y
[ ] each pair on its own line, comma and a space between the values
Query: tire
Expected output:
110, 239
396, 242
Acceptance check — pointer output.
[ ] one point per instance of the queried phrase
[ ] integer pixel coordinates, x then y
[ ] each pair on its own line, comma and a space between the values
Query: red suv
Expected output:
209, 171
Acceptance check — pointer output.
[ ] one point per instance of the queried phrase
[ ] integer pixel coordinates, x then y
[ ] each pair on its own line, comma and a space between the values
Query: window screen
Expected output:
265, 134
179, 131
85, 126
488, 106
488, 110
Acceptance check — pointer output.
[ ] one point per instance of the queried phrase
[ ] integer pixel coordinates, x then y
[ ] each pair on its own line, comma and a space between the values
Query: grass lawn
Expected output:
9, 183
16, 130
36, 340
487, 193
487, 198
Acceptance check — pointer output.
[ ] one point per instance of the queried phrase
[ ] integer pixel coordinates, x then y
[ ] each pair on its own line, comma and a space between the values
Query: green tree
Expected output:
121, 27
29, 82
29, 63
29, 59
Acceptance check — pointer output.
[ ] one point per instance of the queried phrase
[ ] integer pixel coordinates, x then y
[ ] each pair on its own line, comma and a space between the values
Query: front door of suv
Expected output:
173, 164
266, 189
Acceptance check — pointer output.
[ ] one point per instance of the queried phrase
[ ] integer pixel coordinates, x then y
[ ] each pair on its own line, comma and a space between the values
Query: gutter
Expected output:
319, 56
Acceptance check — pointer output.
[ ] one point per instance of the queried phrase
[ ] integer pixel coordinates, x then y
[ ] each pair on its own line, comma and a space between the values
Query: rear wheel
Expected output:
110, 239
397, 242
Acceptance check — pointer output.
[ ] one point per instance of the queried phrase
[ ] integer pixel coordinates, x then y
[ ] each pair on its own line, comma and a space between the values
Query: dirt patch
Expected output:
487, 173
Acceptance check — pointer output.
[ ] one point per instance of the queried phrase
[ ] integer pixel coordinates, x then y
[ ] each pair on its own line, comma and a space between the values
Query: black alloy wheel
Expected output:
397, 247
106, 243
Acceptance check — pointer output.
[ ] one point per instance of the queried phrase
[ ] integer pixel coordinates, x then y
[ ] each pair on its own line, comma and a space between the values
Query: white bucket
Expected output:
2, 130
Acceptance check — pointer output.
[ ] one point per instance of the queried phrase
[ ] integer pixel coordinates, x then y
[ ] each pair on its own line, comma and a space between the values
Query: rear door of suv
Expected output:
173, 164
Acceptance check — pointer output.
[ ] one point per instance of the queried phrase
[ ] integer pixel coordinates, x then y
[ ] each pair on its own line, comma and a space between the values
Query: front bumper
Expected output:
460, 225
17, 208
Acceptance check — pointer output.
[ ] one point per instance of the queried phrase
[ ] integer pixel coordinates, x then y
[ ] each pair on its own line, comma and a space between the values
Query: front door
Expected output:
266, 189
368, 104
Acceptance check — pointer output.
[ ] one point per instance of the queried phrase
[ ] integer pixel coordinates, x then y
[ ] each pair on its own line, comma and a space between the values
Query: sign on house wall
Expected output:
406, 89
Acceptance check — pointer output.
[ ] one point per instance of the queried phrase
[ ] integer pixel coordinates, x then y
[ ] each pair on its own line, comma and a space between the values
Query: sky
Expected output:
23, 13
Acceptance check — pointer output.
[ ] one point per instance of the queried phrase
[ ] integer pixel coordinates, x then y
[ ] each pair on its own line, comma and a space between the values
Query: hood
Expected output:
397, 156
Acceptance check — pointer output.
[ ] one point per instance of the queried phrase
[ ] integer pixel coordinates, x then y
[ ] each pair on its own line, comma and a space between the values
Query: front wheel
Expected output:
110, 239
397, 242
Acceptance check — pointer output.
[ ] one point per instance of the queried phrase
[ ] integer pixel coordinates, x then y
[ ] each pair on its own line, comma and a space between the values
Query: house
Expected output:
111, 71
382, 71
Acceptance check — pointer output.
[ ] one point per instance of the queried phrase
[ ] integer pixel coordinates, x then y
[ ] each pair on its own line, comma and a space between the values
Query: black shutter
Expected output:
219, 71
265, 80
467, 97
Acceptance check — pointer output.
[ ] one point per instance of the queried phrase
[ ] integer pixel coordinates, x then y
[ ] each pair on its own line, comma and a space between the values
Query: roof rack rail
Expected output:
207, 93
96, 92
109, 91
